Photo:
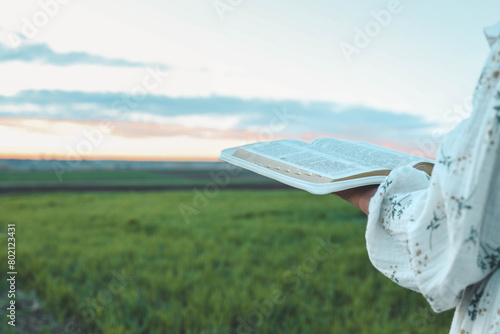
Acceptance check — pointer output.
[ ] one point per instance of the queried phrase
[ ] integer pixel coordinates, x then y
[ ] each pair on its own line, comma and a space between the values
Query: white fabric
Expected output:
440, 235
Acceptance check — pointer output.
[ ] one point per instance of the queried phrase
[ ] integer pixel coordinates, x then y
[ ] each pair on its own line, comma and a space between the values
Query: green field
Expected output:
121, 178
247, 261
86, 177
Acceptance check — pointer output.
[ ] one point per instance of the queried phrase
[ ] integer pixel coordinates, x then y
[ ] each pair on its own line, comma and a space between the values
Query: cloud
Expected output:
140, 130
42, 53
219, 113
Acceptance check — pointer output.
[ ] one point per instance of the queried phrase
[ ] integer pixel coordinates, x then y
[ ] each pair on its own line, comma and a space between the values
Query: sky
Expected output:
182, 80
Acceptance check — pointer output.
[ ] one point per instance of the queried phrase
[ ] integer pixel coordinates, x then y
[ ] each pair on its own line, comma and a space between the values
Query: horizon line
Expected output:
106, 158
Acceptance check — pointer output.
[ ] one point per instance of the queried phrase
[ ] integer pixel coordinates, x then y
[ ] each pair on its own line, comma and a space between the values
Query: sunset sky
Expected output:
182, 80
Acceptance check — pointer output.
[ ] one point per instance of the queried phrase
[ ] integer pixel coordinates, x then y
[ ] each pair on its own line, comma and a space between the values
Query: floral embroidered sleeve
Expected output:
440, 235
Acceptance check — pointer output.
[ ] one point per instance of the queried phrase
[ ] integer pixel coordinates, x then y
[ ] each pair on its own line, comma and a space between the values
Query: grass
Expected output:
89, 178
246, 262
121, 178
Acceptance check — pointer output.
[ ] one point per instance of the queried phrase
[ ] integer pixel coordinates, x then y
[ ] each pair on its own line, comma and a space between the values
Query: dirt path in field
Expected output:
93, 188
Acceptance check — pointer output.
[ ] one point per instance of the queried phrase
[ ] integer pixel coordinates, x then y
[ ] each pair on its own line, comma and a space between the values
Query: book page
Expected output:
323, 166
366, 154
304, 156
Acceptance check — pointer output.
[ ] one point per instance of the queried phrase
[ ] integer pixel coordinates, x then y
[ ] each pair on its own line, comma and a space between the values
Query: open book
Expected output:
324, 165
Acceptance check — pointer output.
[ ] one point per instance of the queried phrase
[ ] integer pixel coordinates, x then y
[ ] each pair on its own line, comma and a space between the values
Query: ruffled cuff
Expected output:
391, 211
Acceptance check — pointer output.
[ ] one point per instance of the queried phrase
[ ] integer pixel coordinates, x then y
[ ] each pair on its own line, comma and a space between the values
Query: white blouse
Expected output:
440, 235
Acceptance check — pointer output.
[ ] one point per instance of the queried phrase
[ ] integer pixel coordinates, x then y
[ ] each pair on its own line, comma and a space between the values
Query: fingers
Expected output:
359, 197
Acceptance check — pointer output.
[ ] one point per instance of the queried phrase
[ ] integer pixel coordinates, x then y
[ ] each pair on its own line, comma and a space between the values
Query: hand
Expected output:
359, 197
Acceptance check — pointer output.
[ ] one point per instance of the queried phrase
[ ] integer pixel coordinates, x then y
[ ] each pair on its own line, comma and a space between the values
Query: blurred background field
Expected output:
25, 175
129, 262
